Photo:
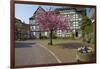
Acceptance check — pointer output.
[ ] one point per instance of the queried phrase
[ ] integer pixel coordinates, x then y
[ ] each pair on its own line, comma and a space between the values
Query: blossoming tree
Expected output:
52, 21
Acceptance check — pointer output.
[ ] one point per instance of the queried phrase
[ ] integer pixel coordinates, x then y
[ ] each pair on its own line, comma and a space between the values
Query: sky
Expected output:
87, 11
25, 11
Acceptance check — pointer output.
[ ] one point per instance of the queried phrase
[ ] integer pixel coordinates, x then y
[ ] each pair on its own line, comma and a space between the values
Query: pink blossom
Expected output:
52, 21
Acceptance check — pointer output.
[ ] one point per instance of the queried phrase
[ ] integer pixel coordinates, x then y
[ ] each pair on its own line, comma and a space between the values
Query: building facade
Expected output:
73, 16
34, 28
22, 30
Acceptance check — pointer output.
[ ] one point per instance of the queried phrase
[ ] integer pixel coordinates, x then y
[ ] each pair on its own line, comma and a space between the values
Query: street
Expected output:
29, 53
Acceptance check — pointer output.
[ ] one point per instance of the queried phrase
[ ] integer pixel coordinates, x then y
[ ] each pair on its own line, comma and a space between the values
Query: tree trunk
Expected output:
51, 37
40, 35
84, 39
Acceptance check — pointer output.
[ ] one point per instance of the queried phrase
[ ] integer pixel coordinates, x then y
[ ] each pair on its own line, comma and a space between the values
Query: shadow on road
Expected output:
23, 45
70, 45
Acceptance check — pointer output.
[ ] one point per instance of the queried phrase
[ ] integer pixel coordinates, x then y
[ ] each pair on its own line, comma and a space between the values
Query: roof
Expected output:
25, 27
62, 9
32, 17
70, 8
38, 11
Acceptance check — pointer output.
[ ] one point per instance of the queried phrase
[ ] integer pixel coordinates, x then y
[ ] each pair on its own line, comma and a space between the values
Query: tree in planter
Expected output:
85, 54
51, 21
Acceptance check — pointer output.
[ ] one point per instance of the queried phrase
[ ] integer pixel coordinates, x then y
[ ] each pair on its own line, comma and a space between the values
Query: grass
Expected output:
56, 41
61, 42
64, 49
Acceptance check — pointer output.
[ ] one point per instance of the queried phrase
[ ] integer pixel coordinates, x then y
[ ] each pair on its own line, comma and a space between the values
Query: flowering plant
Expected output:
85, 50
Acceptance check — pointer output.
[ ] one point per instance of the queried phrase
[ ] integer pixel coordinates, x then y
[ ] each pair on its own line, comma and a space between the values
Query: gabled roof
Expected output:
32, 17
39, 10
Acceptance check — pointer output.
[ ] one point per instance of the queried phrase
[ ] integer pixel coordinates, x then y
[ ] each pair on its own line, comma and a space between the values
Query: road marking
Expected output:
58, 60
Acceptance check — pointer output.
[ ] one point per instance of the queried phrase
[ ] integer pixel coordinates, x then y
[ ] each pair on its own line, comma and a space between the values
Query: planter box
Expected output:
85, 57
